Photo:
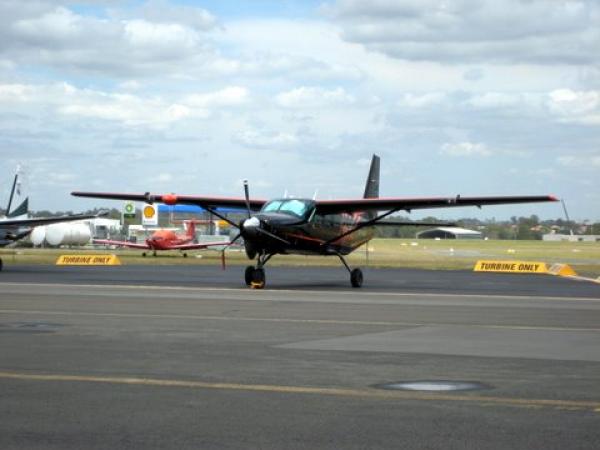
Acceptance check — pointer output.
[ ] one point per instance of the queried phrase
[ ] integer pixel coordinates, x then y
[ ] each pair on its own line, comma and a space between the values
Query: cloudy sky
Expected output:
470, 97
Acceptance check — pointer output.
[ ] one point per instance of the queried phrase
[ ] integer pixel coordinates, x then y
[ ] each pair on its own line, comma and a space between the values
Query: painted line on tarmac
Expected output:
567, 405
290, 320
353, 293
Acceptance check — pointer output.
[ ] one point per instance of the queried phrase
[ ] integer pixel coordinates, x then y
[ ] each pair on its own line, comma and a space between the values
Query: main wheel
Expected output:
0, 264
356, 278
258, 279
144, 254
185, 255
248, 274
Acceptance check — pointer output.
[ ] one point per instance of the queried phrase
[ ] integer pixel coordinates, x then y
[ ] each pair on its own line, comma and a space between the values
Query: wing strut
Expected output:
362, 225
398, 224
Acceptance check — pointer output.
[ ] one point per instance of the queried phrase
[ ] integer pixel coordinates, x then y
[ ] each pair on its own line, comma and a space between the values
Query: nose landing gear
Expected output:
255, 276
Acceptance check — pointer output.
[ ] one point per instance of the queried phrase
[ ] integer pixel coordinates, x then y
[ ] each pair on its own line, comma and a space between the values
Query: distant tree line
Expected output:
522, 228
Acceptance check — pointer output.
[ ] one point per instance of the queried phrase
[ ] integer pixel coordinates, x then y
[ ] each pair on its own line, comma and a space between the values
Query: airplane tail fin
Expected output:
372, 186
190, 228
21, 211
23, 208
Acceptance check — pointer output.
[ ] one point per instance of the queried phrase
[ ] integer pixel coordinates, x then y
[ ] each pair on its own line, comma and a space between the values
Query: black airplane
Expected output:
313, 227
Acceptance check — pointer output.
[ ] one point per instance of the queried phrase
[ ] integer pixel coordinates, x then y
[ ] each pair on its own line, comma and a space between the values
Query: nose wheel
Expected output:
255, 276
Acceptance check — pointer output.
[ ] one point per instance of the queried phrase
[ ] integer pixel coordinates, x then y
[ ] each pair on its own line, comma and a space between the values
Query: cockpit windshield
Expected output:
293, 206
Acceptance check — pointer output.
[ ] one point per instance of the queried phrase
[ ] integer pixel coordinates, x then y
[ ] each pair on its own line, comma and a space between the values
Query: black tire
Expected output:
144, 254
1, 264
185, 255
356, 278
258, 279
248, 275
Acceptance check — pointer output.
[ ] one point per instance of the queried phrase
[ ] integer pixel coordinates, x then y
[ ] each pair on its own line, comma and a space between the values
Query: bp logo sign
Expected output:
129, 210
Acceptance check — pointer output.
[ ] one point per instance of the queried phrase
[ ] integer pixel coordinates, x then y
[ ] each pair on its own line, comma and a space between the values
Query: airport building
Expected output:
449, 233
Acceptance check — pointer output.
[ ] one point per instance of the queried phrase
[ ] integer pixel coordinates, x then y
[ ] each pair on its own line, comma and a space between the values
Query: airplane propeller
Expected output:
247, 196
250, 229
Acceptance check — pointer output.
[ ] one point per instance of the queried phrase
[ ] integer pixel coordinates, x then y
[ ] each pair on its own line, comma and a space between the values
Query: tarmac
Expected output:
187, 357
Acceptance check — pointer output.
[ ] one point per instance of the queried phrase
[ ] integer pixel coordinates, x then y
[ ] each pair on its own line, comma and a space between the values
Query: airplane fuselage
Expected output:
305, 231
166, 240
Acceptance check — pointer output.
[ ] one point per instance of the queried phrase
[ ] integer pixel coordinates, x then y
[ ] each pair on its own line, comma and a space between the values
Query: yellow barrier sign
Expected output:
511, 266
88, 260
562, 270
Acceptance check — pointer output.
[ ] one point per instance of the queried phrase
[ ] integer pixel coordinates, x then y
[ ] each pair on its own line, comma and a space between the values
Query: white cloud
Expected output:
425, 100
161, 11
578, 106
455, 31
254, 138
229, 96
167, 40
113, 86
465, 149
578, 161
313, 97
128, 109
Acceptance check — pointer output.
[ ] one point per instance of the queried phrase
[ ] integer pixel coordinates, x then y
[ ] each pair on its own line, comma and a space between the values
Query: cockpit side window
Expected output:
272, 206
296, 207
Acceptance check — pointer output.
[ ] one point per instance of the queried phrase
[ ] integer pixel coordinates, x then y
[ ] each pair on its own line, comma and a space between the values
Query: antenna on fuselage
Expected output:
315, 194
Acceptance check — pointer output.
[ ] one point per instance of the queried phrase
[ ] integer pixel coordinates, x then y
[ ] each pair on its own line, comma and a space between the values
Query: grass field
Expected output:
584, 257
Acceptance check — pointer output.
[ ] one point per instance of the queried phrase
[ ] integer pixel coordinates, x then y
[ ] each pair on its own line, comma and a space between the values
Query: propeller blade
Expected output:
247, 195
239, 235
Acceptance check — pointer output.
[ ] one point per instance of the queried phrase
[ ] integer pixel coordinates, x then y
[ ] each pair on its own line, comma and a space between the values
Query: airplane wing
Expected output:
36, 221
120, 243
408, 204
173, 199
198, 246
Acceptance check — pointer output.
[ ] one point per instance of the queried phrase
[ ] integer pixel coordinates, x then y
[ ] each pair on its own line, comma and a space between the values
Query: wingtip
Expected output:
553, 198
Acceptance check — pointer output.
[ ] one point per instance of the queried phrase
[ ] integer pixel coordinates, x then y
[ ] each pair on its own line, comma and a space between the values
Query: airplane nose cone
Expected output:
250, 227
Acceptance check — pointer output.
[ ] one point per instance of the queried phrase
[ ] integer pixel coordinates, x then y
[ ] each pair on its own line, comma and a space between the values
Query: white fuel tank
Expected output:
38, 235
68, 234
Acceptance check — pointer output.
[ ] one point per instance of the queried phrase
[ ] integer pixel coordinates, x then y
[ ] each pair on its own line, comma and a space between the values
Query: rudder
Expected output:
372, 186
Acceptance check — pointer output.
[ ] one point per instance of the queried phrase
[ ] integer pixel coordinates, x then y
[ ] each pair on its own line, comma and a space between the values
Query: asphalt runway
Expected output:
186, 357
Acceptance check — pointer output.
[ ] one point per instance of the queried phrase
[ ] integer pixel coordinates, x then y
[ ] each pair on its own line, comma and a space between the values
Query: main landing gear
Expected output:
1, 264
255, 276
356, 275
